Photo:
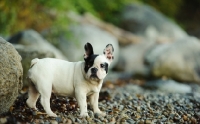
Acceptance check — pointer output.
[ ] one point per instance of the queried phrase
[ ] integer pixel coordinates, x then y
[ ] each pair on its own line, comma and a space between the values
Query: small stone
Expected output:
46, 122
112, 120
96, 120
170, 121
89, 119
54, 122
36, 121
171, 115
96, 115
41, 122
91, 114
198, 114
78, 120
129, 106
130, 97
156, 113
141, 122
3, 120
138, 116
149, 105
64, 120
126, 94
105, 120
177, 117
69, 121
148, 122
121, 107
130, 121
193, 120
159, 117
138, 109
182, 121
165, 113
72, 118
185, 117
164, 119
34, 112
58, 119
189, 115
41, 117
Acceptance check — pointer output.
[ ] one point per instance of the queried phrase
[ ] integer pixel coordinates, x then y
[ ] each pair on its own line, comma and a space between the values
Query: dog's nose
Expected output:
94, 70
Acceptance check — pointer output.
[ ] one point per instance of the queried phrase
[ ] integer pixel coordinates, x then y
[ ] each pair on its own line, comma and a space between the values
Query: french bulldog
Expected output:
73, 79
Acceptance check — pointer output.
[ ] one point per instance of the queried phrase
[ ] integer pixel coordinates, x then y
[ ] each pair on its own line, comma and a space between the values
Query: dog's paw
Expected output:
101, 113
84, 114
52, 115
31, 105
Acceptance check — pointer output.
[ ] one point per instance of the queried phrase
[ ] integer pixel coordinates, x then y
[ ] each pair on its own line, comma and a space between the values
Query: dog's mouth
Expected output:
94, 77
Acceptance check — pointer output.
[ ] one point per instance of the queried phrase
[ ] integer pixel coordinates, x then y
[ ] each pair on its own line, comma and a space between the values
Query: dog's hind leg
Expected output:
33, 96
45, 99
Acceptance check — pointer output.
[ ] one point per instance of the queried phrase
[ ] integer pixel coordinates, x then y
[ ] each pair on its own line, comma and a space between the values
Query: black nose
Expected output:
94, 70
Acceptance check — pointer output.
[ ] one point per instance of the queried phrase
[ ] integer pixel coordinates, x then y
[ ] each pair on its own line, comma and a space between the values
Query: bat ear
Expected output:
108, 52
88, 50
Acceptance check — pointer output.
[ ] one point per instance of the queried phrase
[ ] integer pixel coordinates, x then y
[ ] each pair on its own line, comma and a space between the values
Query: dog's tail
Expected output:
33, 62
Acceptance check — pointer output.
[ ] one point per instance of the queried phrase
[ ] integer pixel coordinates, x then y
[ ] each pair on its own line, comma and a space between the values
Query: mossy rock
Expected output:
11, 74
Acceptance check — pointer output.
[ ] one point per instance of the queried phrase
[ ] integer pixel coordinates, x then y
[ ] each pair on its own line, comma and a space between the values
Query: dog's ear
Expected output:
108, 52
88, 50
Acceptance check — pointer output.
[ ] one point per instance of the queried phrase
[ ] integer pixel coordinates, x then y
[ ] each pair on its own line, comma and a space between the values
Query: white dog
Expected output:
74, 79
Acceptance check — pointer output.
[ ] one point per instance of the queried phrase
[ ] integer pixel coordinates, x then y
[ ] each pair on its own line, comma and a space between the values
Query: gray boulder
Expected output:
73, 47
33, 40
27, 55
11, 75
145, 21
170, 86
30, 45
131, 59
179, 60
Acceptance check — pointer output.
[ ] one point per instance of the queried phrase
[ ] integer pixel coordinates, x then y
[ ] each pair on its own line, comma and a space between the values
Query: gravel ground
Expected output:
126, 104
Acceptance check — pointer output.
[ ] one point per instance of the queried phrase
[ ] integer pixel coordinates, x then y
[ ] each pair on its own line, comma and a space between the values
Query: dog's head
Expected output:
96, 66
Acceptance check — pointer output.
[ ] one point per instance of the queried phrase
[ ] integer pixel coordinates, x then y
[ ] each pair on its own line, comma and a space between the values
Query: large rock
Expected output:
30, 45
27, 55
131, 59
170, 86
73, 47
33, 40
145, 21
179, 60
11, 75
123, 37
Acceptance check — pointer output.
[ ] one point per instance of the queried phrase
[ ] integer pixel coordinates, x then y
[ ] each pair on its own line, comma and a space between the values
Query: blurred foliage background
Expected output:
17, 15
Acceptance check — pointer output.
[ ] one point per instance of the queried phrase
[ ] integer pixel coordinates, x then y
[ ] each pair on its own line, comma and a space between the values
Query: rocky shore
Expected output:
152, 48
126, 104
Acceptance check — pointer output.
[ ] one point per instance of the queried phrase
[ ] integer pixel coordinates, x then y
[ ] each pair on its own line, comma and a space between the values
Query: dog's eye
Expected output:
102, 65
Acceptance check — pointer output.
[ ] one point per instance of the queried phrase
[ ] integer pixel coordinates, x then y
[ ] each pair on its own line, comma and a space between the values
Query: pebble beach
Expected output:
126, 104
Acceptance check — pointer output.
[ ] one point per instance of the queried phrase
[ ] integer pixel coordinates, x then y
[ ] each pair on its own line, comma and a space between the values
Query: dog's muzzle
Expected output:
93, 75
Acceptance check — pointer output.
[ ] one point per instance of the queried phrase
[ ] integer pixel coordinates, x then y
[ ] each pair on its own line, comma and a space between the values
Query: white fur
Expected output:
66, 79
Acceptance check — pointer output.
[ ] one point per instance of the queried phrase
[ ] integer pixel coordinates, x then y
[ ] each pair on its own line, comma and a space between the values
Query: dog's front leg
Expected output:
81, 99
94, 98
